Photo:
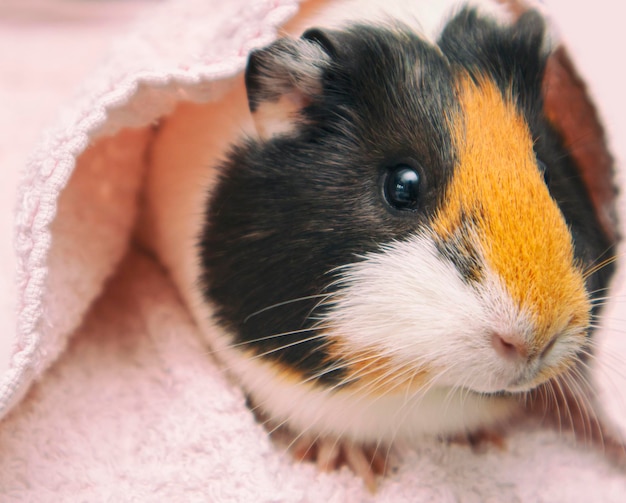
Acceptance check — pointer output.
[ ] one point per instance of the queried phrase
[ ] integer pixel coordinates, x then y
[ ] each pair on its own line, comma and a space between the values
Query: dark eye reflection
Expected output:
401, 187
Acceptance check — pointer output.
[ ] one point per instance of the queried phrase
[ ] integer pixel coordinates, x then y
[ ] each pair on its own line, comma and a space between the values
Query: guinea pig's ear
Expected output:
569, 108
285, 77
571, 111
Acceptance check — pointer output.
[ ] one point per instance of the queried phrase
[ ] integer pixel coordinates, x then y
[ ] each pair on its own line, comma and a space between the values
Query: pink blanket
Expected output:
107, 392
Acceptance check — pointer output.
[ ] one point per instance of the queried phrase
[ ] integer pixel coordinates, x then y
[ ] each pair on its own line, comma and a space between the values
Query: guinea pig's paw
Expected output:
330, 454
367, 463
480, 440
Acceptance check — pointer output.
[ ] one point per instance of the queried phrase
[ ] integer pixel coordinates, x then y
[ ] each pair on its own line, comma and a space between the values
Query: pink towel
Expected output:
107, 391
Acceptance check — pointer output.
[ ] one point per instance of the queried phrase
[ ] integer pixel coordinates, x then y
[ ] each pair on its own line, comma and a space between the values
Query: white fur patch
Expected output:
383, 419
410, 305
278, 118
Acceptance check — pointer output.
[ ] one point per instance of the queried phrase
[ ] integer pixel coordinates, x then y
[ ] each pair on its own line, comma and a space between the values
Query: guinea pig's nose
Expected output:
509, 346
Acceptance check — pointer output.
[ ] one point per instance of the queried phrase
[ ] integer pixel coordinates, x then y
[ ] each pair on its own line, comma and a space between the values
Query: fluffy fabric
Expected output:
107, 391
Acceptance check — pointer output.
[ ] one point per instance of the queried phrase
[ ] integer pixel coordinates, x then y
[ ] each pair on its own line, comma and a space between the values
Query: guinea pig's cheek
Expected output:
404, 317
369, 373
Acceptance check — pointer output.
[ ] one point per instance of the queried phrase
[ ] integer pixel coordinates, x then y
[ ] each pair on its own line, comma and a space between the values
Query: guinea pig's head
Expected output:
408, 217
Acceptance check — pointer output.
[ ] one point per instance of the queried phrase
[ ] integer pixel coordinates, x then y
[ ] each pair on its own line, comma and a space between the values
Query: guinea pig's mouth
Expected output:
555, 361
514, 389
510, 390
524, 383
525, 380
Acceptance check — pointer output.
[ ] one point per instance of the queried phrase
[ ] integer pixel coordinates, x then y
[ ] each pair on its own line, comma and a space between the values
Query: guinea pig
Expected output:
381, 232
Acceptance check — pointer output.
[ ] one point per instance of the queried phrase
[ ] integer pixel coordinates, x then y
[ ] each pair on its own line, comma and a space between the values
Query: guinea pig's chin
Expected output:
523, 383
518, 381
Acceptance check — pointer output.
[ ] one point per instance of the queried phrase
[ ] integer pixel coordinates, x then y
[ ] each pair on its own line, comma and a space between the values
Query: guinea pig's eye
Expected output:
401, 187
543, 169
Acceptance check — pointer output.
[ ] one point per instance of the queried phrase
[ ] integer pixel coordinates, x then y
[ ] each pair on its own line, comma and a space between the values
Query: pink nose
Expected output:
509, 346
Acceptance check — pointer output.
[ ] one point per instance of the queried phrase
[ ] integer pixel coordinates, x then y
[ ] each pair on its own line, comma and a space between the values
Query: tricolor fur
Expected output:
347, 316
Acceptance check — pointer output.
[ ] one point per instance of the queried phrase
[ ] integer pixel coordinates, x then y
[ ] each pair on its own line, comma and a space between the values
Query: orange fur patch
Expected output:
370, 373
365, 371
518, 226
379, 375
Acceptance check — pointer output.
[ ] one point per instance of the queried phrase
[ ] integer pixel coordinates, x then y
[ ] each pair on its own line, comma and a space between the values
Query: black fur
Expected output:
286, 212
459, 250
289, 211
511, 56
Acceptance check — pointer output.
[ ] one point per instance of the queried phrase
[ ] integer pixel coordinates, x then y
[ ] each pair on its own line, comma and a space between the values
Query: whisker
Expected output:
268, 338
589, 405
607, 298
285, 303
555, 401
595, 268
285, 346
570, 383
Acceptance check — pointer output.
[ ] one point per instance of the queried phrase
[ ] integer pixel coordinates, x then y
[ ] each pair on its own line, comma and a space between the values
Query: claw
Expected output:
328, 454
357, 461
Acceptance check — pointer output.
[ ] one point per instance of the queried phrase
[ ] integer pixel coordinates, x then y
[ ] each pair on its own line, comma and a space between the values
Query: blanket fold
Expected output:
60, 264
